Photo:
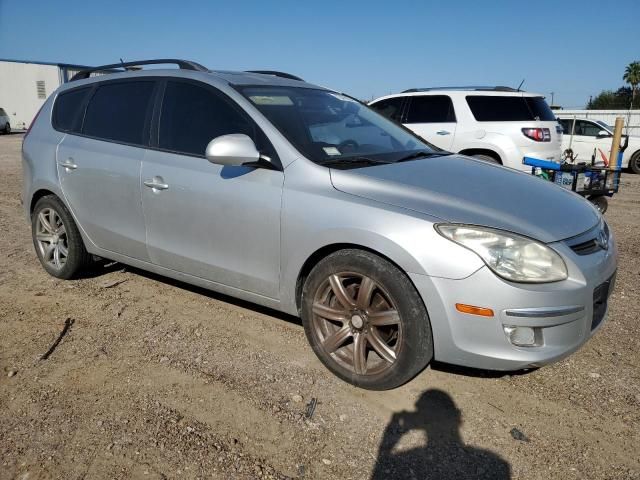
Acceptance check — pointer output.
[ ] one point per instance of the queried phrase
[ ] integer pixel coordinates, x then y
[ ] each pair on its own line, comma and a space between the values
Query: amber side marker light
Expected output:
473, 310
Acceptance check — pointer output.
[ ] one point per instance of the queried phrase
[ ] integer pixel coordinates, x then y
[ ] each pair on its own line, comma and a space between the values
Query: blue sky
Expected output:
366, 48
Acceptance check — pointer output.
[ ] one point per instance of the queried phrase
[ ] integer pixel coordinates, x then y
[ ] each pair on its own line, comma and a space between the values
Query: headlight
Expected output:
510, 256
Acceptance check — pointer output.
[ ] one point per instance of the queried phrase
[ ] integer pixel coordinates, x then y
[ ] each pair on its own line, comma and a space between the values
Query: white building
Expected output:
25, 85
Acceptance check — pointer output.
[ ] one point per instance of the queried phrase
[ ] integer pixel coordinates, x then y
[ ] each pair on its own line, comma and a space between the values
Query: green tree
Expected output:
632, 77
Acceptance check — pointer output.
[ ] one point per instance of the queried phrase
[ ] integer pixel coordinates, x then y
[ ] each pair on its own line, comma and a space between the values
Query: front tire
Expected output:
7, 128
365, 320
57, 240
634, 163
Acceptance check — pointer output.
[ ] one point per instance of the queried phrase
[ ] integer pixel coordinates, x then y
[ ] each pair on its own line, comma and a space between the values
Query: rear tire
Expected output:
57, 240
600, 202
634, 163
486, 158
7, 128
365, 320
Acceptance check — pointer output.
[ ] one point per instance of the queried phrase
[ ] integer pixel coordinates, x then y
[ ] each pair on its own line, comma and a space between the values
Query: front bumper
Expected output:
566, 314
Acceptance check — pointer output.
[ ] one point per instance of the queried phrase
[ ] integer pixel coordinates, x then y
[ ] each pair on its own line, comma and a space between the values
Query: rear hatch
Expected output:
524, 117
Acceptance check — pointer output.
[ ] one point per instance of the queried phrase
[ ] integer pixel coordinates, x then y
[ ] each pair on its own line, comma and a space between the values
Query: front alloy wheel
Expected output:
365, 320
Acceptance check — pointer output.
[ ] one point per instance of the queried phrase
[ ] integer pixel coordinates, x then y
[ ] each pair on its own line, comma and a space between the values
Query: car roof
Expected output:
462, 91
187, 69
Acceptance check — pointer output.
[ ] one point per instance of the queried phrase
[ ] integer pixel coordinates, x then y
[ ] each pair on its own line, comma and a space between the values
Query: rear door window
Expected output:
587, 129
68, 110
488, 108
390, 108
430, 109
120, 112
193, 115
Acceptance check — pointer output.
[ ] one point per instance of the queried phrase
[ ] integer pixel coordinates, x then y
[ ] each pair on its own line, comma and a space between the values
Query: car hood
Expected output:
460, 189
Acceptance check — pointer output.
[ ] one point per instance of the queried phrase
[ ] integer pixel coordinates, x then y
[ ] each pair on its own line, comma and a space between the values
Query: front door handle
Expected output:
156, 183
69, 164
443, 132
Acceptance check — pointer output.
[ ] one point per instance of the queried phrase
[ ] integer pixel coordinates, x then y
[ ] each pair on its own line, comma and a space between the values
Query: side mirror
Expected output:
603, 134
232, 150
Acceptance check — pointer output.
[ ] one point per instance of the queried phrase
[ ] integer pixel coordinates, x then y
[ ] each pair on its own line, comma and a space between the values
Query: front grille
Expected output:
600, 298
586, 248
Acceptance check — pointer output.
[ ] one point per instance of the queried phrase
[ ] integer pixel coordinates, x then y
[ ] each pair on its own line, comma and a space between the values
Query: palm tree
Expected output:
632, 77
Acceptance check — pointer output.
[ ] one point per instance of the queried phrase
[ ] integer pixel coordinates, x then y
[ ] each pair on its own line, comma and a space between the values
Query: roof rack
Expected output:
476, 88
275, 73
183, 64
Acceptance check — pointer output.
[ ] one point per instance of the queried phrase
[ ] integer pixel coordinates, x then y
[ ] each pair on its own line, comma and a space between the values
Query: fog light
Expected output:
520, 336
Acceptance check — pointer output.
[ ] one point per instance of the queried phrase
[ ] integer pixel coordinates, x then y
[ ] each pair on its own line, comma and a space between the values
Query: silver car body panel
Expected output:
250, 232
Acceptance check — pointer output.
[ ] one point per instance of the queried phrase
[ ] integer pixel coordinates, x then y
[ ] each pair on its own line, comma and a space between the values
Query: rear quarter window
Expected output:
488, 108
68, 110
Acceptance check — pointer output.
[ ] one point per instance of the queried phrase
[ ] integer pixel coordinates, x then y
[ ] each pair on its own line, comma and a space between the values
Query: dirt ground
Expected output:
158, 379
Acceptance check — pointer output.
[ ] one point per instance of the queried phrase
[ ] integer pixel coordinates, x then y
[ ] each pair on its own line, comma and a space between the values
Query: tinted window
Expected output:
430, 109
68, 110
192, 116
118, 111
2, 112
487, 108
566, 125
390, 108
587, 129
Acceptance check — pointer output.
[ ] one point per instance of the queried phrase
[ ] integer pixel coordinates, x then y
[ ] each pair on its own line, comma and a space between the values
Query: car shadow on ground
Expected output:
207, 293
443, 455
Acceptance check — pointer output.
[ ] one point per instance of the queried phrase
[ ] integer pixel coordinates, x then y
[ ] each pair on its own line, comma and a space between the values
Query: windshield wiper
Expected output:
349, 161
423, 154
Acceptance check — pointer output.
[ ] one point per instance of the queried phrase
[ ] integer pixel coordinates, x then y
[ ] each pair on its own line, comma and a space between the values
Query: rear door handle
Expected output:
156, 183
69, 164
443, 132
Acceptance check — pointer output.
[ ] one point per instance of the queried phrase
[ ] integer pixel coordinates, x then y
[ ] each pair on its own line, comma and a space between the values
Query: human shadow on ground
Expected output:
444, 455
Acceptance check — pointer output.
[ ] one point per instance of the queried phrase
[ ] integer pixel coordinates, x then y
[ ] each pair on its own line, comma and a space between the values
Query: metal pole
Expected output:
615, 145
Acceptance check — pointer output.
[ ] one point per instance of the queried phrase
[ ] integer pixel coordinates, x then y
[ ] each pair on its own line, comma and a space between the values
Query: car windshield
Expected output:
330, 128
604, 125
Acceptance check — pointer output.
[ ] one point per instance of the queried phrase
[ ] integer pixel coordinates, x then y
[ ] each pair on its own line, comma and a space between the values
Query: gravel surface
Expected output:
158, 379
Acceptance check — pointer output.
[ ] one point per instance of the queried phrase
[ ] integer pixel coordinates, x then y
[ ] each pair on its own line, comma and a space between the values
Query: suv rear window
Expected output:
67, 111
487, 108
119, 112
430, 109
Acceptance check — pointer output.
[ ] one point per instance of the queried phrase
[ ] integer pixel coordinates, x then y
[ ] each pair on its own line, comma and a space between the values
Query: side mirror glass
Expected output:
233, 150
603, 133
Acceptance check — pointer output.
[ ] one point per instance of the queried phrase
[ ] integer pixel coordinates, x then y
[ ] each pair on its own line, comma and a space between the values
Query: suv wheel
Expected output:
486, 158
365, 321
57, 240
7, 128
635, 163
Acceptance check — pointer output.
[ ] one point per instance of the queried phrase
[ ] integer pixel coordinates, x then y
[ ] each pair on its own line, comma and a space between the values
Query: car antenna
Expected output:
520, 86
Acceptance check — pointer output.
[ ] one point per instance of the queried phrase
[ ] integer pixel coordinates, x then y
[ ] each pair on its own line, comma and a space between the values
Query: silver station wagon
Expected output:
293, 196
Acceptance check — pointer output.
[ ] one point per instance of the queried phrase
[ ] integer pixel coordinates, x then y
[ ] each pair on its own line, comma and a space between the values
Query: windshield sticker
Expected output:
332, 151
281, 100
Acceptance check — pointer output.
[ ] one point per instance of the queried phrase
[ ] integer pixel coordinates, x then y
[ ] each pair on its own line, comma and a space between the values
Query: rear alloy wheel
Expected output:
57, 240
365, 321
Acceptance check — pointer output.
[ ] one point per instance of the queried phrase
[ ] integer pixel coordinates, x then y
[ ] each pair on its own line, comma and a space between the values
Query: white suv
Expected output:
498, 124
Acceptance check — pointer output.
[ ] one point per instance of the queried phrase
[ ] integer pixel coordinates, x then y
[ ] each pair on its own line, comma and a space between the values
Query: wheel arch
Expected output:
38, 194
482, 151
323, 252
